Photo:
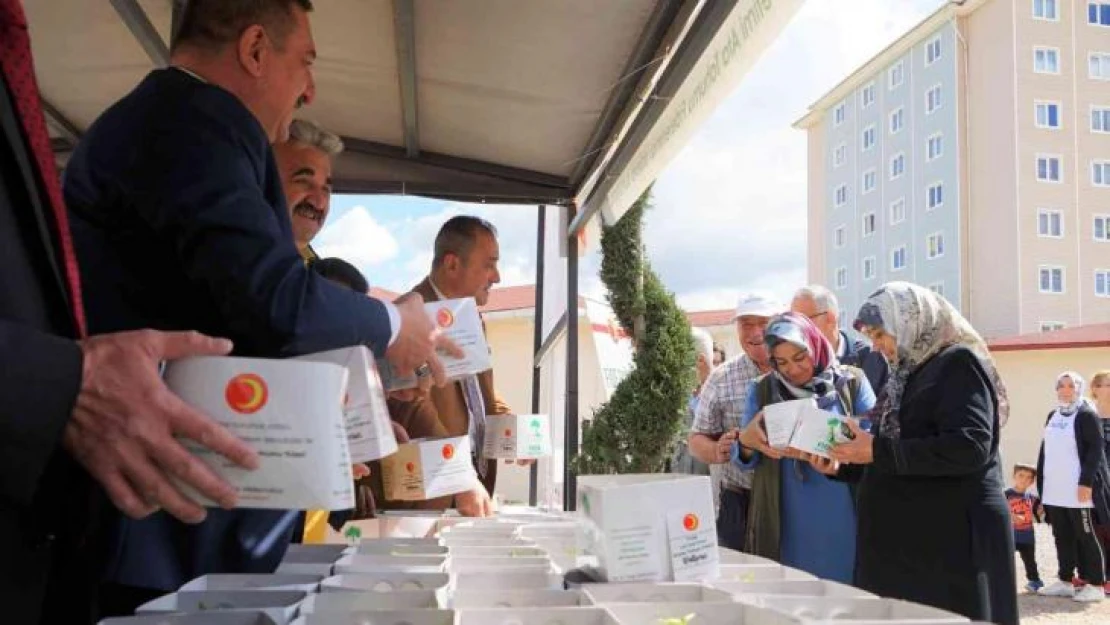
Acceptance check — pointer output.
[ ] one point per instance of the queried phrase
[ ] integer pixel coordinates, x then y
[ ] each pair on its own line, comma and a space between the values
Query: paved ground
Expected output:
1037, 610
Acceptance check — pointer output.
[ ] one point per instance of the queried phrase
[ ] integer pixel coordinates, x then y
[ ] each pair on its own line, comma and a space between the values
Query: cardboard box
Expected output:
212, 618
428, 468
369, 431
391, 617
303, 561
529, 598
499, 551
279, 605
385, 582
252, 581
800, 424
755, 591
538, 616
468, 566
518, 437
458, 319
759, 573
290, 412
374, 601
681, 613
517, 579
653, 527
806, 610
603, 594
383, 564
731, 556
781, 419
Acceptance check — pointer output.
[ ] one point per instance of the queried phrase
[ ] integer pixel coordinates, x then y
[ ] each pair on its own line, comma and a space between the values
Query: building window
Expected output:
897, 75
934, 196
935, 245
898, 259
932, 51
842, 278
897, 121
1102, 228
1046, 60
868, 95
1052, 279
1045, 10
932, 100
869, 268
869, 181
1046, 114
1098, 13
934, 147
1102, 283
840, 237
868, 138
1100, 173
1099, 65
841, 195
897, 166
1100, 119
838, 115
898, 211
1052, 326
938, 288
839, 155
1050, 223
868, 224
1048, 168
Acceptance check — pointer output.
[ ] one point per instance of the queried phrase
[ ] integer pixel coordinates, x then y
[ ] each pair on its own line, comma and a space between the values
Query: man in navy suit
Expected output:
180, 221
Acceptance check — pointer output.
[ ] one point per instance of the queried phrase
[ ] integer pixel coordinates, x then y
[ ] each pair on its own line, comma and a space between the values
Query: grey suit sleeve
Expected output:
38, 389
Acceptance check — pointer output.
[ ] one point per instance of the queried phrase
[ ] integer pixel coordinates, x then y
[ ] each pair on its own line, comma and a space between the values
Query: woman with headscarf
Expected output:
934, 525
1070, 471
799, 516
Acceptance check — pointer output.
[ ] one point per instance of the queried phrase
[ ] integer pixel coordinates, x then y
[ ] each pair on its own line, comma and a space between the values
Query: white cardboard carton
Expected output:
604, 594
800, 424
681, 613
655, 527
369, 431
860, 611
428, 468
529, 598
731, 556
374, 601
518, 437
462, 565
758, 590
210, 618
758, 573
251, 581
391, 617
357, 564
279, 605
500, 551
458, 319
538, 616
385, 582
386, 547
290, 412
517, 579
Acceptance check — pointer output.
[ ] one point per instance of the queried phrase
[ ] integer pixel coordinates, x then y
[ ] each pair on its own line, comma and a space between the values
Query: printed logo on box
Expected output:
410, 467
360, 471
445, 318
690, 522
246, 393
448, 451
508, 432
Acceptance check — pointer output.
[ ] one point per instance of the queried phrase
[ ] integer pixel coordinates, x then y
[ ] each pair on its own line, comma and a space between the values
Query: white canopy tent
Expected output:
573, 103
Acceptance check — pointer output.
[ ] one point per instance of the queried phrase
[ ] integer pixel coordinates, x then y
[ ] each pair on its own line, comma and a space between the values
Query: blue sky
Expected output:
730, 210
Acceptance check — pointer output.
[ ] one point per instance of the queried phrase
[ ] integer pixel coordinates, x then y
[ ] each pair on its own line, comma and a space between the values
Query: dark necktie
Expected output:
19, 72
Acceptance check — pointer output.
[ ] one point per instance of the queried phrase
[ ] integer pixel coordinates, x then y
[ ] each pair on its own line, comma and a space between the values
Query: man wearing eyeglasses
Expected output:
820, 305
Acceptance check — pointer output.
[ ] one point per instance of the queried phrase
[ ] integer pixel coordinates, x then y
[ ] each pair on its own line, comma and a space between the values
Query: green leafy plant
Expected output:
635, 431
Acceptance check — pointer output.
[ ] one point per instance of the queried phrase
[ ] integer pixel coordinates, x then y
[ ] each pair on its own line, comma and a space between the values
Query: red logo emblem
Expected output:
508, 433
690, 522
445, 318
448, 451
246, 393
410, 467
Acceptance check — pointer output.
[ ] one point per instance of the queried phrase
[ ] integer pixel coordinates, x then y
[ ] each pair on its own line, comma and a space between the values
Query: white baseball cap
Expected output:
758, 305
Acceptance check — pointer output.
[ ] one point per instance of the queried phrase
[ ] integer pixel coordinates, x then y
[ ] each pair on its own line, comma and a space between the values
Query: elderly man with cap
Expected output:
720, 409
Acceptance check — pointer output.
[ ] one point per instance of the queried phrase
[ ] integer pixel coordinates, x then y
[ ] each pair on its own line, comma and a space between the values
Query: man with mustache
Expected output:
304, 161
719, 412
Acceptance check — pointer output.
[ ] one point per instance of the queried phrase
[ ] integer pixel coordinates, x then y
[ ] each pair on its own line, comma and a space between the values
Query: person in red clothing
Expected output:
1025, 510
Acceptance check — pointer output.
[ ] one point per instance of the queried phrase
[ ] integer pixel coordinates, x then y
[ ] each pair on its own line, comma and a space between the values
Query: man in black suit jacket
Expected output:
180, 221
74, 412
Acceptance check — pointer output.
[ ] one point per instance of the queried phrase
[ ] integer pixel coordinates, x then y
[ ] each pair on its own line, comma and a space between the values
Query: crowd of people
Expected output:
187, 212
914, 505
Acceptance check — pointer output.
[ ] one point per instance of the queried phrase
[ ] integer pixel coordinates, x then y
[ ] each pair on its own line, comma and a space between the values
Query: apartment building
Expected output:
973, 156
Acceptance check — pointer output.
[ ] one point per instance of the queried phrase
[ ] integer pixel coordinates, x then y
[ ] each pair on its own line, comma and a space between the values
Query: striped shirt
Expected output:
721, 408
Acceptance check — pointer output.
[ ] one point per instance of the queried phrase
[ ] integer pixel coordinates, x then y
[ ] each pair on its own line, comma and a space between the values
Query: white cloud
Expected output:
357, 238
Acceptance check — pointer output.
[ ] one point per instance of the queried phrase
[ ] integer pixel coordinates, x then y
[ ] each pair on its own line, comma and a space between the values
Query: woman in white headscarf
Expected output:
1070, 471
933, 523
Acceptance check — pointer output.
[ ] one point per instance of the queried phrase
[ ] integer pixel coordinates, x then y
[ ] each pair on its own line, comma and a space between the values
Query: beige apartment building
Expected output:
973, 156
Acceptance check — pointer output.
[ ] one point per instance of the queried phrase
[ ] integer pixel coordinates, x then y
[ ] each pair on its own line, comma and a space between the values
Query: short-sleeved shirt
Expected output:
720, 409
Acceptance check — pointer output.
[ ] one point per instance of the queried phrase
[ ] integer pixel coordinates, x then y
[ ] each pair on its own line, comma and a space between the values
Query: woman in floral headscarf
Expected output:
934, 525
797, 515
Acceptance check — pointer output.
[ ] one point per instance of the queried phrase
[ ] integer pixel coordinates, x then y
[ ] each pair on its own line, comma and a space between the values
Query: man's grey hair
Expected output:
822, 298
703, 342
311, 134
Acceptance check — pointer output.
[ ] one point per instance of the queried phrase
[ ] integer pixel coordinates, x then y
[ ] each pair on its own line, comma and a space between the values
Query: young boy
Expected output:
1025, 509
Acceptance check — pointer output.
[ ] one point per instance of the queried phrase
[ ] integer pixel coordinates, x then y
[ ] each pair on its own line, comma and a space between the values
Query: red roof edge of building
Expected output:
1079, 337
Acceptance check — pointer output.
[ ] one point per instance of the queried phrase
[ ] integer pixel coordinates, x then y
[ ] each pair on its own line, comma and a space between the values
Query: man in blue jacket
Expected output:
180, 222
820, 305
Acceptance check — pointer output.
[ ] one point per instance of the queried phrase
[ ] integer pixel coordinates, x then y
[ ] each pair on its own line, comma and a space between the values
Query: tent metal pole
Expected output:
537, 342
570, 434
